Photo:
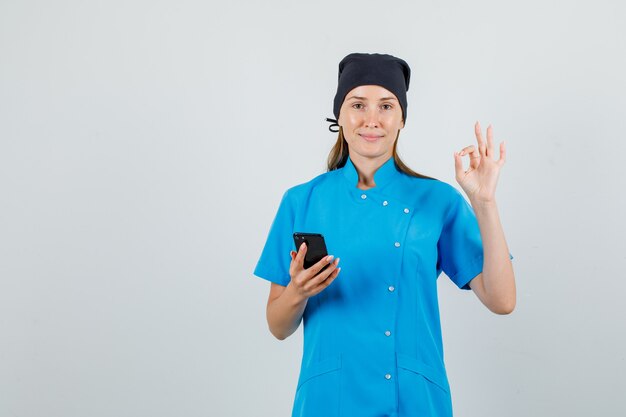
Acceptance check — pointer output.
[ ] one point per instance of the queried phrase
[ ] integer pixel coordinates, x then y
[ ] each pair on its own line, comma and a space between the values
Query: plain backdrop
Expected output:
145, 145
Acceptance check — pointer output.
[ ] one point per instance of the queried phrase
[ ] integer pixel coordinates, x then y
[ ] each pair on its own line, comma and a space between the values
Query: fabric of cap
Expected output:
372, 69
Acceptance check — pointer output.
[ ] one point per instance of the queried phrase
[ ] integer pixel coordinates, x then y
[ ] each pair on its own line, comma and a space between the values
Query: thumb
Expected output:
458, 164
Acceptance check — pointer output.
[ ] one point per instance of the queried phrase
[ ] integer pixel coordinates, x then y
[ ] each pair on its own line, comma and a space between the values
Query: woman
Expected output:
372, 336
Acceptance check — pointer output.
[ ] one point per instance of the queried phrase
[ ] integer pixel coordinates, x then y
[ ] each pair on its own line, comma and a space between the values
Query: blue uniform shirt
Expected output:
372, 339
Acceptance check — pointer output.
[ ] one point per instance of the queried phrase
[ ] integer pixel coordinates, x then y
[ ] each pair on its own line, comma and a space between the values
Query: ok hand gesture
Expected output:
480, 179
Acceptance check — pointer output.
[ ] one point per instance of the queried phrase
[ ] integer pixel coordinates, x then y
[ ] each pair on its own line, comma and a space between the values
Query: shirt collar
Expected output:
382, 176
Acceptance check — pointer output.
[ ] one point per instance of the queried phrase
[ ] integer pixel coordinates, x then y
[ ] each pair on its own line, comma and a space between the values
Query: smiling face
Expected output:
370, 117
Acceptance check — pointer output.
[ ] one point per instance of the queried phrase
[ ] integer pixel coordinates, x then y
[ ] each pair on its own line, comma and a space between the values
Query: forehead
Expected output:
371, 92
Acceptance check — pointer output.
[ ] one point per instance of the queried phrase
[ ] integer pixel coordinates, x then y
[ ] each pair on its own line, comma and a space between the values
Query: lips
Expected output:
370, 138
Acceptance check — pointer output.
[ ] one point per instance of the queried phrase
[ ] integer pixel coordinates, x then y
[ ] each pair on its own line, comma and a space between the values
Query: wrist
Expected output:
483, 204
293, 295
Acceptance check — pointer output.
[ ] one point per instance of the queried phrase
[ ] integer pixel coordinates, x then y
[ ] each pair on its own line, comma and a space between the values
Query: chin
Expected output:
371, 153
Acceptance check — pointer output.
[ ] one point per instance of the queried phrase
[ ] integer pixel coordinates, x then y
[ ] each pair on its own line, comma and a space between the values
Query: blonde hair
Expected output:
338, 156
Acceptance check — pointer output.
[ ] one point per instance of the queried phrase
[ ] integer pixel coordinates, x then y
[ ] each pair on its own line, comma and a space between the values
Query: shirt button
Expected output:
397, 244
363, 196
391, 288
387, 333
385, 203
388, 376
406, 210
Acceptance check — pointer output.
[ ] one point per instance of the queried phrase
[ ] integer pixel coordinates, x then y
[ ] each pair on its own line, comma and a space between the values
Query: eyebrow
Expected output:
365, 98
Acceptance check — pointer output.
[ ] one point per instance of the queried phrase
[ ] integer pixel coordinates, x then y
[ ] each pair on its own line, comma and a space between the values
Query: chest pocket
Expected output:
421, 240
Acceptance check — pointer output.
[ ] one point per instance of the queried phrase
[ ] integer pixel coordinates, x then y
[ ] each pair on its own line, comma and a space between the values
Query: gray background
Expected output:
145, 145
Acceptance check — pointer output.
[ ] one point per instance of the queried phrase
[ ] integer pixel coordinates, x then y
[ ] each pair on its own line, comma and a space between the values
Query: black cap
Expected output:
372, 69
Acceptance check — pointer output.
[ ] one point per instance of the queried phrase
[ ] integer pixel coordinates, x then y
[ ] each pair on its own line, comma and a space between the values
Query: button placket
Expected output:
401, 222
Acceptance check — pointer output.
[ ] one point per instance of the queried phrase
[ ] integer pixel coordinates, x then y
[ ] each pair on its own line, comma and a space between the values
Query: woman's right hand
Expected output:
309, 282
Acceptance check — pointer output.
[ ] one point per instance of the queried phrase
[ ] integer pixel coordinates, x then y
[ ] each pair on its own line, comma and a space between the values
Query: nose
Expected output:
371, 118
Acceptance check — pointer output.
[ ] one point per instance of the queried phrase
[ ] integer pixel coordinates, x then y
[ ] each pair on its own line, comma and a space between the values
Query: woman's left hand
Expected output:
480, 179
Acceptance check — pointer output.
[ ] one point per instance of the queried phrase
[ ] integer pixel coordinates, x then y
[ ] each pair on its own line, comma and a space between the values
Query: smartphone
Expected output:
316, 247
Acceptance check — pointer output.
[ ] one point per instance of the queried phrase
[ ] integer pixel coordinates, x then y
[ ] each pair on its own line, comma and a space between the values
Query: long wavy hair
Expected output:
338, 157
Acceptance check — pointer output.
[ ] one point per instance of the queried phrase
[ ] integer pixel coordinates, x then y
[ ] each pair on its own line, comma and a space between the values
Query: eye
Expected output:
356, 104
389, 106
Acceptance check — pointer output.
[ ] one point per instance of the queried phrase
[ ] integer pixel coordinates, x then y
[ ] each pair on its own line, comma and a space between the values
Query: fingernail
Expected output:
329, 258
337, 261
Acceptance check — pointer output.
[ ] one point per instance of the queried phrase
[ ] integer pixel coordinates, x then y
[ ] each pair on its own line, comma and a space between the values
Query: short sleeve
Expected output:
460, 247
273, 264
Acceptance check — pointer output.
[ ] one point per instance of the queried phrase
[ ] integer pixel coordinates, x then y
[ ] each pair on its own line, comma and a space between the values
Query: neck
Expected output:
366, 167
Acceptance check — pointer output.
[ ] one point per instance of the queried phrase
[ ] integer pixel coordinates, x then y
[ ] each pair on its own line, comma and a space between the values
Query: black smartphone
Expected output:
316, 247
